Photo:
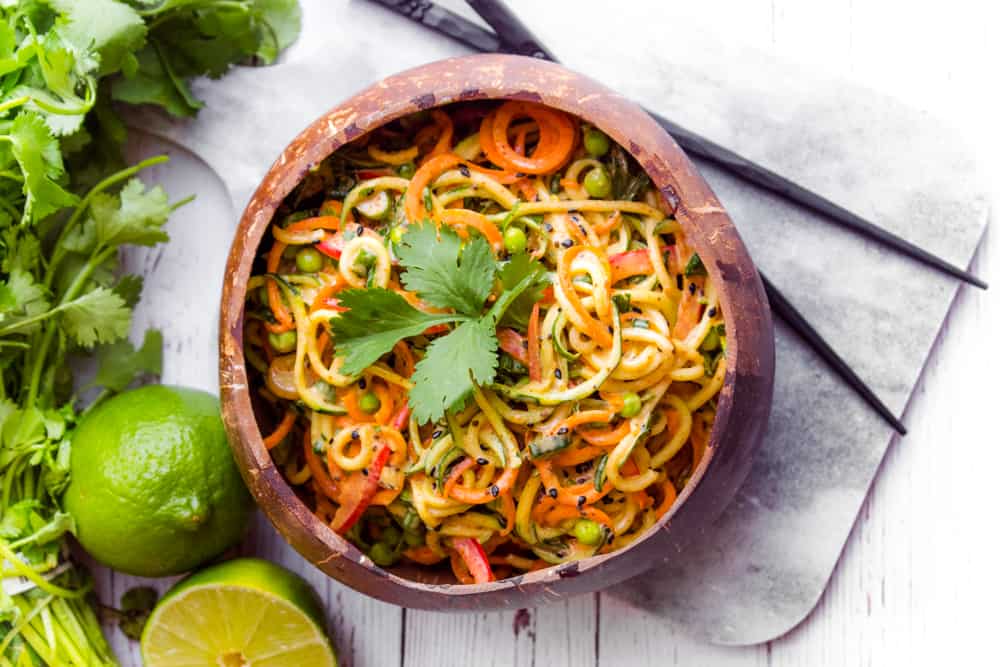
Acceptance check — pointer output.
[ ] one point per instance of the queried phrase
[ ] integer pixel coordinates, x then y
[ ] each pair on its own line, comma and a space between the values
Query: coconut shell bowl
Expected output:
743, 403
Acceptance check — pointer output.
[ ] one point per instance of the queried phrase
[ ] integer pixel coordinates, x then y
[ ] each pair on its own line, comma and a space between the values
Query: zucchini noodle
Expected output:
603, 403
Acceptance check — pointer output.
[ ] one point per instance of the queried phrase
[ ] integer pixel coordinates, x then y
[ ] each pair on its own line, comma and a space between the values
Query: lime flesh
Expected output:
245, 613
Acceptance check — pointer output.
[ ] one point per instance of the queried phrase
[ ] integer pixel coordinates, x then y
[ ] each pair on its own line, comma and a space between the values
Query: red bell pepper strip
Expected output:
401, 418
534, 351
513, 344
474, 558
627, 264
332, 245
352, 508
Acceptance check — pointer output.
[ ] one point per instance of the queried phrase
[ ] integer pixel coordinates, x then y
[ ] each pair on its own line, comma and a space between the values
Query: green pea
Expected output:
407, 170
369, 403
514, 240
382, 554
588, 532
597, 183
309, 260
596, 142
282, 342
391, 535
632, 405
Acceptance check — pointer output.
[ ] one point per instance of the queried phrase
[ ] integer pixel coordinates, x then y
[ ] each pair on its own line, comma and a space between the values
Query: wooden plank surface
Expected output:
916, 581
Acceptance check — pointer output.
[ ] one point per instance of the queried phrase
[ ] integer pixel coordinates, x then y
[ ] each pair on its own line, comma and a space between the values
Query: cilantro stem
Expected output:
97, 258
20, 324
25, 620
60, 248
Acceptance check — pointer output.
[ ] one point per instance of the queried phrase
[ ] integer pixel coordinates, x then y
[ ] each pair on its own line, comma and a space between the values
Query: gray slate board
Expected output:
760, 570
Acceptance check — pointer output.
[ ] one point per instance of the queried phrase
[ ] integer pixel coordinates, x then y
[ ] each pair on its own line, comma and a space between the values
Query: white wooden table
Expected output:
917, 578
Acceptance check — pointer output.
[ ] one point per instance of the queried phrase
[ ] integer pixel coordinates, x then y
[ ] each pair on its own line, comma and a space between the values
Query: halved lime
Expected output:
241, 613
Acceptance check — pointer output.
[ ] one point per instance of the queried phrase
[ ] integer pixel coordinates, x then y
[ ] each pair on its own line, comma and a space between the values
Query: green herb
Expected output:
67, 205
628, 180
695, 267
137, 604
446, 275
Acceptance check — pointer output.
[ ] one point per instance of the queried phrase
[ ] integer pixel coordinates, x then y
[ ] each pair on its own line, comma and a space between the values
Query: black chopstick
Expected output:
787, 312
446, 22
514, 37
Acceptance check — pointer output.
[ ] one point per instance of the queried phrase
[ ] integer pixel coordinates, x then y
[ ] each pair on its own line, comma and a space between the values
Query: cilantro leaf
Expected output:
136, 216
513, 272
442, 273
113, 29
38, 155
375, 320
99, 316
129, 288
120, 363
282, 21
21, 298
442, 380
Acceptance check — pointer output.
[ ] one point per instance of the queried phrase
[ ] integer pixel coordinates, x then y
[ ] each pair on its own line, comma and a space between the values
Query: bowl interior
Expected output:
272, 487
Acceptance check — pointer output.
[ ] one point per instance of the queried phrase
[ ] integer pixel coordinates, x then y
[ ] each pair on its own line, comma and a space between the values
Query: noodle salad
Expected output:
483, 343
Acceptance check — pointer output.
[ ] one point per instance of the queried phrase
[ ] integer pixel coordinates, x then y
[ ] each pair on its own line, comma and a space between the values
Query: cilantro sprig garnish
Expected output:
451, 277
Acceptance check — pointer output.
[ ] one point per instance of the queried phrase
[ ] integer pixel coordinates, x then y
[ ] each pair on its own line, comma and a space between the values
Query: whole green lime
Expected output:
153, 487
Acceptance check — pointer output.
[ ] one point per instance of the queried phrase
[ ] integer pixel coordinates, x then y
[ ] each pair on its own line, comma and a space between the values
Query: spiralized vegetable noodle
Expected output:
576, 434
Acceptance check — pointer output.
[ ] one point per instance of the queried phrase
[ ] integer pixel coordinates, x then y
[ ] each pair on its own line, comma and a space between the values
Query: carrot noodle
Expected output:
498, 487
283, 429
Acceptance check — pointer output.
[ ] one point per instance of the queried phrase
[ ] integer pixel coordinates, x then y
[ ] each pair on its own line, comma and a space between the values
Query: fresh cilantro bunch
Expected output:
68, 204
474, 293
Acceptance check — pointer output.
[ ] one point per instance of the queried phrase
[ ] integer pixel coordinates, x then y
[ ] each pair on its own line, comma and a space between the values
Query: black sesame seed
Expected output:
610, 329
547, 227
563, 431
362, 383
464, 170
437, 434
711, 311
607, 500
364, 471
581, 480
568, 243
355, 435
481, 461
583, 467
581, 500
692, 288
494, 490
553, 493
502, 521
361, 230
680, 281
559, 374
520, 175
